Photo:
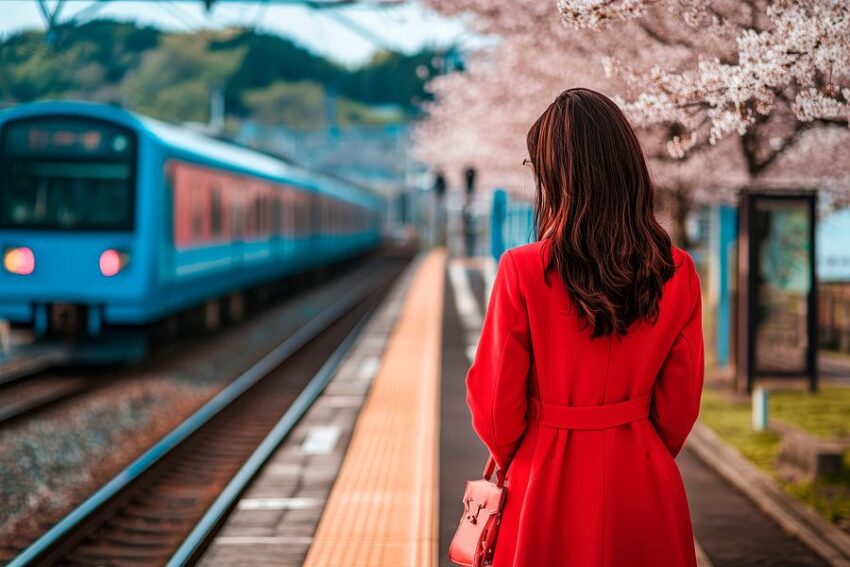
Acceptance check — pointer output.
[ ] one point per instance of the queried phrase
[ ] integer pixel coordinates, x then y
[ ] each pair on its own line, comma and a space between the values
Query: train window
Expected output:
311, 213
306, 212
263, 204
216, 212
330, 221
257, 215
285, 207
309, 219
66, 196
289, 211
285, 212
329, 204
276, 216
300, 214
265, 207
248, 217
295, 203
238, 219
197, 224
66, 173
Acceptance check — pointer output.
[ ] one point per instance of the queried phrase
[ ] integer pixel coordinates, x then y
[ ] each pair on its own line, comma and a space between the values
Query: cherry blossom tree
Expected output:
481, 118
722, 98
768, 72
482, 115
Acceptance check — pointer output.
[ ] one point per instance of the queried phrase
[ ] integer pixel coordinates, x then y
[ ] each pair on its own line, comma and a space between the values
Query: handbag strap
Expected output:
491, 467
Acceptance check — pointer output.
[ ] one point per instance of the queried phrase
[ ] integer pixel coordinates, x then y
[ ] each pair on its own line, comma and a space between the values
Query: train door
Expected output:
315, 229
289, 204
274, 194
237, 211
166, 236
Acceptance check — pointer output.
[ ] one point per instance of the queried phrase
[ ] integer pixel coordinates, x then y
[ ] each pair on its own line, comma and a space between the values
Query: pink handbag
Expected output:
475, 539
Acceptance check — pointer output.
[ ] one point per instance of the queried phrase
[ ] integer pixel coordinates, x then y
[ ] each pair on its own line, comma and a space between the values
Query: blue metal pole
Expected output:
497, 223
727, 234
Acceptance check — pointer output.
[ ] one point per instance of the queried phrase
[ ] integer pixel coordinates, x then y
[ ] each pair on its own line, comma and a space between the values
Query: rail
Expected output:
44, 546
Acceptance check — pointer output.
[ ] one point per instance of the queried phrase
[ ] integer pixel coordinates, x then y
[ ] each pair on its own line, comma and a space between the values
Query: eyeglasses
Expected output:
527, 161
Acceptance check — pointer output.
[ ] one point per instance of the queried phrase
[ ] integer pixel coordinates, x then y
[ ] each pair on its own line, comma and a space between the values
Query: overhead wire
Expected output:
361, 30
201, 23
86, 13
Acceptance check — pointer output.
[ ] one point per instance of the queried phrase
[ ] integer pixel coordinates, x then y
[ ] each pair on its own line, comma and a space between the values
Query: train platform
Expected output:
373, 474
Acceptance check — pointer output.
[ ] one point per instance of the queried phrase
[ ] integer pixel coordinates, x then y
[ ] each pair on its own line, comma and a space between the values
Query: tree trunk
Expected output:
678, 203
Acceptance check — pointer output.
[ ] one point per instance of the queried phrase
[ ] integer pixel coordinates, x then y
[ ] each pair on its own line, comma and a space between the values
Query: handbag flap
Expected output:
482, 502
485, 493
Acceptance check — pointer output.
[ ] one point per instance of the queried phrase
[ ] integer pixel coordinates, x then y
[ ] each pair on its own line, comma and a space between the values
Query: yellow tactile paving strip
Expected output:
383, 508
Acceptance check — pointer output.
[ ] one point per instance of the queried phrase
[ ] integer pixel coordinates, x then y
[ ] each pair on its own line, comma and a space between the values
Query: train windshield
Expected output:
66, 174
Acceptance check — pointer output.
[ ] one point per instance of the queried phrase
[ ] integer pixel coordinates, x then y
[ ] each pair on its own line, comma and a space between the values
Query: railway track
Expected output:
28, 383
21, 397
163, 508
26, 362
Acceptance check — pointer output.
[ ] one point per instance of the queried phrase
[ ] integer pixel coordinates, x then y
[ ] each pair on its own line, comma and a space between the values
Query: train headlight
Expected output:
113, 261
19, 260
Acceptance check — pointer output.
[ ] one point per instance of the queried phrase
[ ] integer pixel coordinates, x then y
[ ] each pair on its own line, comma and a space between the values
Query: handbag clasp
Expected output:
472, 516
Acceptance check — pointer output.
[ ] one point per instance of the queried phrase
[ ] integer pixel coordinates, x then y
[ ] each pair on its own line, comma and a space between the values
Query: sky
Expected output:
330, 32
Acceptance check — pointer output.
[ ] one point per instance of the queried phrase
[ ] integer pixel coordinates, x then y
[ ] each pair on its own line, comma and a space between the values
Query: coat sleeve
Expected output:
678, 388
496, 384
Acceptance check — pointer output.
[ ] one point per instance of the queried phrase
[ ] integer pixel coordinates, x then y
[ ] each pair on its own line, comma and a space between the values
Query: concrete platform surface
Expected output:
375, 473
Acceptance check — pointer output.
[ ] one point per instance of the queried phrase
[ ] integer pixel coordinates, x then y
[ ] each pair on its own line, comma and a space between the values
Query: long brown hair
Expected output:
595, 207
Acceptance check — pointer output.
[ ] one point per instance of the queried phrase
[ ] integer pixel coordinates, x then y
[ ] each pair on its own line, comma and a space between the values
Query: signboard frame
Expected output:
748, 270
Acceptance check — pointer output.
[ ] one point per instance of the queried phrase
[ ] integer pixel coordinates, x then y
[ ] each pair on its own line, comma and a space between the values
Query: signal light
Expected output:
112, 262
20, 261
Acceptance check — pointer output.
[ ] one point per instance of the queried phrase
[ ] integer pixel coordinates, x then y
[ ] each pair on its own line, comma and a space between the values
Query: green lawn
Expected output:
732, 421
826, 414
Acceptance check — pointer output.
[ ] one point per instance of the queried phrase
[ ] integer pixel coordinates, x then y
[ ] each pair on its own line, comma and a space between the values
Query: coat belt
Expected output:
589, 417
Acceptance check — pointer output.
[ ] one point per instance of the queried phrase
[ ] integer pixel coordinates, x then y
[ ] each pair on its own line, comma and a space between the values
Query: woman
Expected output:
590, 365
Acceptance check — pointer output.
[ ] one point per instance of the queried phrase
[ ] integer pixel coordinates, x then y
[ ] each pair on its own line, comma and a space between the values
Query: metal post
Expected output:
497, 223
725, 230
760, 416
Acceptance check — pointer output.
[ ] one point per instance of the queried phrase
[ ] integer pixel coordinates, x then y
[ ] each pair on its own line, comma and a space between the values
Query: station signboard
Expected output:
777, 309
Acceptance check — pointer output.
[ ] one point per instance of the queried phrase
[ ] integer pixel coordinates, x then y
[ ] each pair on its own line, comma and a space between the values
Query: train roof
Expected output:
196, 146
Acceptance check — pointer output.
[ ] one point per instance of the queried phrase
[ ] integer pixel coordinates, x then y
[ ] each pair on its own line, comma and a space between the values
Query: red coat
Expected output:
598, 487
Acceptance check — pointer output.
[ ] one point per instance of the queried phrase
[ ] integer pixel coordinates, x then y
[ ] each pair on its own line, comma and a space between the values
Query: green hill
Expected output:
170, 75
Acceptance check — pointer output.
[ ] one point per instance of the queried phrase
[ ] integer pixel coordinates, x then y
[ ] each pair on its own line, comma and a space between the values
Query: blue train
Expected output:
112, 219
